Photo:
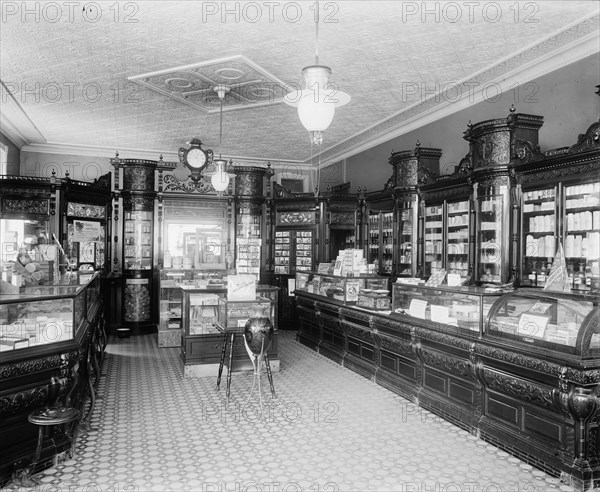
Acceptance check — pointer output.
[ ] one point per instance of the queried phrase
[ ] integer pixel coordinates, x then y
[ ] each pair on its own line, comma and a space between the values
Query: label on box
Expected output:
352, 288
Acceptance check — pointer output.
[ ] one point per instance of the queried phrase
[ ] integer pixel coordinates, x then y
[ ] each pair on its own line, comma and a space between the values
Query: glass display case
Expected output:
457, 238
235, 314
171, 281
539, 209
200, 312
493, 234
46, 314
407, 237
86, 235
464, 307
293, 251
556, 320
380, 234
137, 240
248, 239
582, 235
434, 240
341, 288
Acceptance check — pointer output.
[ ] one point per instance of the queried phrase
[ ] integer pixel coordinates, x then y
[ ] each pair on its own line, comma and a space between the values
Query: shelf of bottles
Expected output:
293, 251
248, 243
539, 212
434, 240
406, 248
490, 237
381, 241
582, 235
457, 238
137, 239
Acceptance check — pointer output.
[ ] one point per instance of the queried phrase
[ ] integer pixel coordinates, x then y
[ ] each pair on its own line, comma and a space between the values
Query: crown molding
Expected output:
153, 155
14, 122
426, 112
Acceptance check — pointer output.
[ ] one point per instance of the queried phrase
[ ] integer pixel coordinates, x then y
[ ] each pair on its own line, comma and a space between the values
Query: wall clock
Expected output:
195, 157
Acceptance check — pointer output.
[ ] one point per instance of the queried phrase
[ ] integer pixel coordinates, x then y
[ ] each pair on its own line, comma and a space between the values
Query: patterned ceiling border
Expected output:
574, 42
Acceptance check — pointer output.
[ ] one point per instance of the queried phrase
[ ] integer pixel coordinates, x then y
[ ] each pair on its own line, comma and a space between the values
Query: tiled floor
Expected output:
328, 430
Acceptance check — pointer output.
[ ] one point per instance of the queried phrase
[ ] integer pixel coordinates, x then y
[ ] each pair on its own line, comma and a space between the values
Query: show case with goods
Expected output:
493, 234
137, 240
560, 216
412, 169
539, 210
434, 240
368, 291
458, 229
407, 265
87, 208
380, 240
248, 237
341, 224
582, 234
294, 251
138, 260
462, 307
206, 312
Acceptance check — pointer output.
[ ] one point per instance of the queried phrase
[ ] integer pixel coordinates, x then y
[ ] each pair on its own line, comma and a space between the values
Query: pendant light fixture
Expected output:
220, 179
317, 102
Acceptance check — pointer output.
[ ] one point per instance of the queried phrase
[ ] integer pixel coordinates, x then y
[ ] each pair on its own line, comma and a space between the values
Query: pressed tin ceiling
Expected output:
136, 76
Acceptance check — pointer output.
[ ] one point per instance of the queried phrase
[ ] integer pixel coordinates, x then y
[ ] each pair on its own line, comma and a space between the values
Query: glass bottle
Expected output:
541, 276
571, 274
579, 278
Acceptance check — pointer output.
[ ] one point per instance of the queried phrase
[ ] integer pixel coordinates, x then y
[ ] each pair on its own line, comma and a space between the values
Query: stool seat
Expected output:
55, 415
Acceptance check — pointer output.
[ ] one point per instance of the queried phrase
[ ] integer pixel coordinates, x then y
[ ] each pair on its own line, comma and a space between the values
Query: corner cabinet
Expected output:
138, 242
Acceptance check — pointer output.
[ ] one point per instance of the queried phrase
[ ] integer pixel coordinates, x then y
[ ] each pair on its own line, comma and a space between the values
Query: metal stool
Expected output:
46, 418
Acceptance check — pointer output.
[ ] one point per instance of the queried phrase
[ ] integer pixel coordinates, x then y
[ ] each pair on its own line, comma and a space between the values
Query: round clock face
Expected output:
195, 158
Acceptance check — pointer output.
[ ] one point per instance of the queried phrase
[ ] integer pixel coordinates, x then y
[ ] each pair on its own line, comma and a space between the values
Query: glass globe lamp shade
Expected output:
220, 180
316, 114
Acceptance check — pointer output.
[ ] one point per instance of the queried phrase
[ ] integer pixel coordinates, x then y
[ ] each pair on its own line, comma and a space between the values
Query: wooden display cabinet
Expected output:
560, 208
447, 217
379, 227
412, 169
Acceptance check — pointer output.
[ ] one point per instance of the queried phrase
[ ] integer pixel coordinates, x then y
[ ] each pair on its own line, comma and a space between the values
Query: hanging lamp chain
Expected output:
317, 33
221, 127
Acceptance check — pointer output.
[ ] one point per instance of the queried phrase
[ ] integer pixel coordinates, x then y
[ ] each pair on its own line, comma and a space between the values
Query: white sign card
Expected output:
532, 325
440, 314
291, 286
417, 308
454, 279
85, 231
241, 287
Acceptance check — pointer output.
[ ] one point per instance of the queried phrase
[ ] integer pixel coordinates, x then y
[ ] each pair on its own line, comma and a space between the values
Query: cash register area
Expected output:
329, 429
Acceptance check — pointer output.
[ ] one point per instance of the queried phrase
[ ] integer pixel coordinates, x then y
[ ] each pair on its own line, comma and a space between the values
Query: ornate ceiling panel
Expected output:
246, 84
137, 75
